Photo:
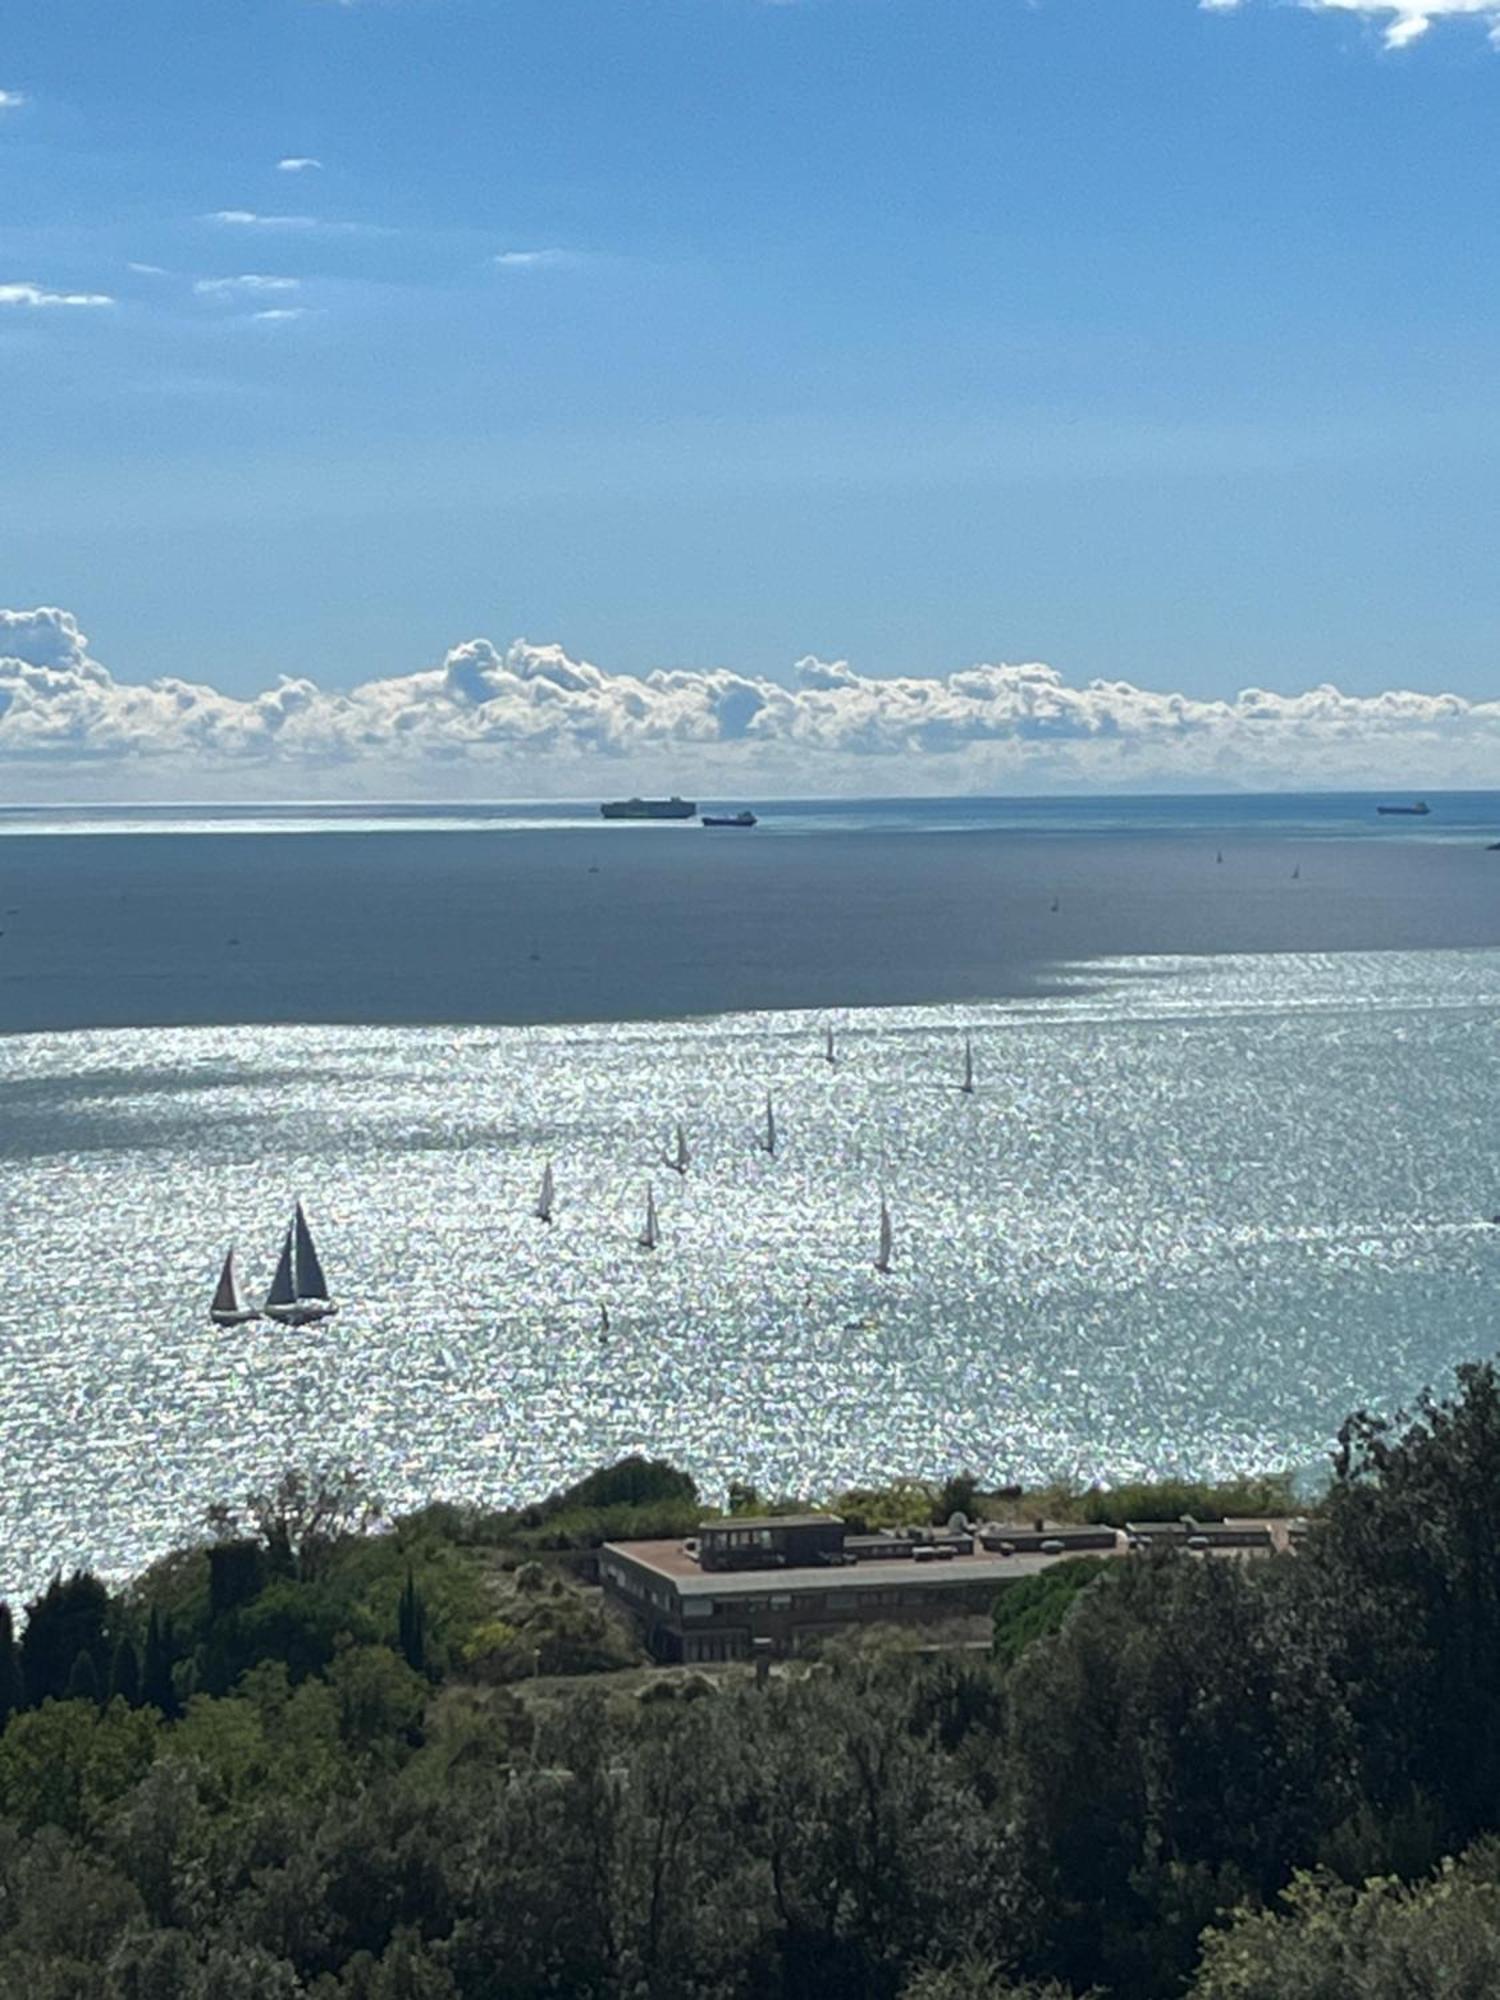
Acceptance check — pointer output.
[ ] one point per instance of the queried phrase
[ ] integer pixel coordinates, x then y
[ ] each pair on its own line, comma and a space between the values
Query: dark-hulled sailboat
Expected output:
299, 1291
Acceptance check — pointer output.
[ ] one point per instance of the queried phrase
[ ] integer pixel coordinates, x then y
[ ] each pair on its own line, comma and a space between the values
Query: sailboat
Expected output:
828, 1054
883, 1255
546, 1195
229, 1308
650, 1235
299, 1291
678, 1160
967, 1086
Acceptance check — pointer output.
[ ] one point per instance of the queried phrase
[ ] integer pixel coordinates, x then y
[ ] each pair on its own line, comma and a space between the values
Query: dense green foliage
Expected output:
1382, 1940
1029, 1610
1175, 1777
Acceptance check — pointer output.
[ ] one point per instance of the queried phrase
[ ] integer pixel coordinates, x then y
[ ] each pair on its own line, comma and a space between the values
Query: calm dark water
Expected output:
511, 915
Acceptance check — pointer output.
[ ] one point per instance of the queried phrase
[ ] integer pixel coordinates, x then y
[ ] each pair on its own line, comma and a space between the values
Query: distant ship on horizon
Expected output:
672, 808
1416, 811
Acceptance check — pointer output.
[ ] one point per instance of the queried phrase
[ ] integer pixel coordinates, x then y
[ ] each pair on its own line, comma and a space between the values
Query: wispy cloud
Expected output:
246, 218
535, 260
37, 296
534, 716
247, 281
249, 218
11, 100
148, 270
1401, 21
298, 163
277, 313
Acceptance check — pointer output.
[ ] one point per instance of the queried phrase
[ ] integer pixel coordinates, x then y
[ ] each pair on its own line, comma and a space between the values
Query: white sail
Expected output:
546, 1195
679, 1160
650, 1235
227, 1297
229, 1308
967, 1086
769, 1139
311, 1284
883, 1255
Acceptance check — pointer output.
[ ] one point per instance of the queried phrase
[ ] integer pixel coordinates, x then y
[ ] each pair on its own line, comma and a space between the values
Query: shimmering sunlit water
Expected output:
1194, 1212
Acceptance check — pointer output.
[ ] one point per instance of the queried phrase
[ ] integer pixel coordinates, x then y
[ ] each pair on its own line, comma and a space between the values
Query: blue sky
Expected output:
1152, 341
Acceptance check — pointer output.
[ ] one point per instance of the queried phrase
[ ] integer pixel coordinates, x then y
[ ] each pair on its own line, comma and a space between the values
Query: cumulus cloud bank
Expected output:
1401, 21
529, 720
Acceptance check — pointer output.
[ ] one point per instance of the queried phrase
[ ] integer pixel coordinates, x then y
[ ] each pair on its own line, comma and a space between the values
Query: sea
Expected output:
1229, 1169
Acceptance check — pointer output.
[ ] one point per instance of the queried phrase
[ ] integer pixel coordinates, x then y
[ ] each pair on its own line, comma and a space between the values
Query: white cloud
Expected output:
148, 270
246, 218
530, 720
11, 100
530, 260
299, 164
285, 312
36, 295
247, 281
1401, 21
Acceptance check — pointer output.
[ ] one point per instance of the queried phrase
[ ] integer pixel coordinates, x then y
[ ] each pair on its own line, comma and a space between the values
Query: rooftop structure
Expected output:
774, 1584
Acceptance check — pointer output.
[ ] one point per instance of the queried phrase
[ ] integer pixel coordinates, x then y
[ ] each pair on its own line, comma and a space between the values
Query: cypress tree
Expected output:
11, 1697
125, 1674
411, 1625
157, 1690
71, 1616
83, 1679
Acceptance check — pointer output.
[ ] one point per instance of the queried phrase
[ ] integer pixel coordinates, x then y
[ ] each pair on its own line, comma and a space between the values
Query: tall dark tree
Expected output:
411, 1625
83, 1679
157, 1690
11, 1692
236, 1574
125, 1673
71, 1616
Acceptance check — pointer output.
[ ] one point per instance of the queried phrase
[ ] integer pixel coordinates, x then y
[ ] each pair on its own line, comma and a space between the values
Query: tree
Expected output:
236, 1574
83, 1680
157, 1688
71, 1616
1400, 1575
954, 1496
125, 1672
1028, 1610
411, 1625
301, 1517
12, 1693
1382, 1941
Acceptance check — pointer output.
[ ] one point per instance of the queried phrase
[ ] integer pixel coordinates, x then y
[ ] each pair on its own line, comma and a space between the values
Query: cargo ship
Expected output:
672, 808
1418, 811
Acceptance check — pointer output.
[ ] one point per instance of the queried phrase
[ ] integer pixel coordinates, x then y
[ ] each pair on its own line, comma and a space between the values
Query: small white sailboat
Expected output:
650, 1234
229, 1307
967, 1086
678, 1159
768, 1137
828, 1050
546, 1195
603, 1322
299, 1291
883, 1254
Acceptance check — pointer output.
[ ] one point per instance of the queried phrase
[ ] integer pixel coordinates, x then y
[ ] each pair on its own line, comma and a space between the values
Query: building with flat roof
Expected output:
780, 1583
